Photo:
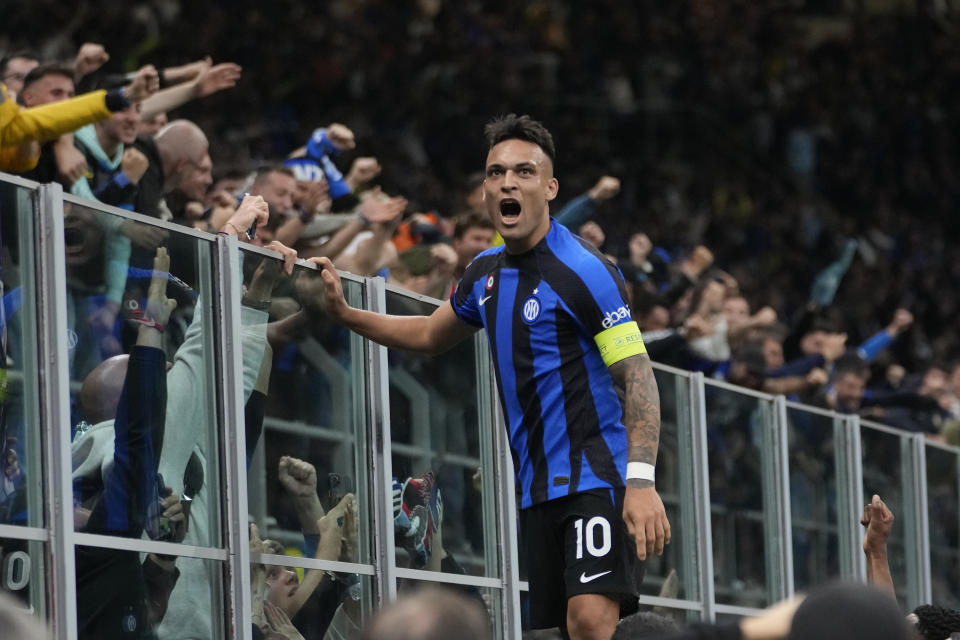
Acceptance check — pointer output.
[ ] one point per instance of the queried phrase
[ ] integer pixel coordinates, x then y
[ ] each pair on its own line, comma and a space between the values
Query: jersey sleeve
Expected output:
464, 299
605, 312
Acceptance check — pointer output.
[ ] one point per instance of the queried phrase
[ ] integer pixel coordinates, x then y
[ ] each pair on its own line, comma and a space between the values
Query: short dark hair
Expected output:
264, 171
936, 622
514, 127
5, 60
851, 362
644, 624
471, 220
44, 70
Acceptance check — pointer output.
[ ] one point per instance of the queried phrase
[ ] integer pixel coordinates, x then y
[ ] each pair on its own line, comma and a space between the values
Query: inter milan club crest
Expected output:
530, 309
490, 282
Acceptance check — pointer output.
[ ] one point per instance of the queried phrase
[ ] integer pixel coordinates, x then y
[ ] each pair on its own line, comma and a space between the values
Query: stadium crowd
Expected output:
775, 186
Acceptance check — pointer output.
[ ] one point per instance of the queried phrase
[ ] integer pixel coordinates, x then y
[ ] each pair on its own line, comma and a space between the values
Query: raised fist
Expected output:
90, 57
341, 136
134, 164
363, 170
297, 477
606, 188
143, 85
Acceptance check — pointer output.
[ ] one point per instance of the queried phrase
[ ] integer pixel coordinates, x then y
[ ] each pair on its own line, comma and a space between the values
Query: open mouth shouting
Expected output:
509, 211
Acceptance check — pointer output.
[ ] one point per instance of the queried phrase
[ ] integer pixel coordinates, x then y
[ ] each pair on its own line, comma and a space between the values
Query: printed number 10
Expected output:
591, 538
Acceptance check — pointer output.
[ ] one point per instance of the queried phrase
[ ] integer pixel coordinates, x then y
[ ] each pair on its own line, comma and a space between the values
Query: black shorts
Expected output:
574, 545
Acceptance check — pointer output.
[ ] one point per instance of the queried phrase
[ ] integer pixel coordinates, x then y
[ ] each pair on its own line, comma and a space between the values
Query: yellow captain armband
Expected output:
619, 342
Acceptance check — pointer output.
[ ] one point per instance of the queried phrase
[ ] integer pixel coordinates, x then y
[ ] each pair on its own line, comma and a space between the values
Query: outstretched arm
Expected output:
643, 510
431, 334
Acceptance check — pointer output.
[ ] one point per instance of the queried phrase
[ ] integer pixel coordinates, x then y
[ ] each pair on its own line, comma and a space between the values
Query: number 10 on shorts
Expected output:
588, 534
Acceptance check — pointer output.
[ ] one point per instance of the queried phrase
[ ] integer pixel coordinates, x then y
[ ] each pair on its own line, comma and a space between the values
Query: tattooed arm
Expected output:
643, 510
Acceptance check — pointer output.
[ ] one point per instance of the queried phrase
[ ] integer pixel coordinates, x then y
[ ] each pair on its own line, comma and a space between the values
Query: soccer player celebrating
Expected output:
561, 336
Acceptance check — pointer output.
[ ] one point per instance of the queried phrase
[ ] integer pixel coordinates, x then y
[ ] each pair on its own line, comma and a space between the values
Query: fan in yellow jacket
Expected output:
21, 128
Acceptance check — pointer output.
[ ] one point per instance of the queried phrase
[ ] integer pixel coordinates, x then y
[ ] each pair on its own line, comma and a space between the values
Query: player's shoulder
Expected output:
484, 262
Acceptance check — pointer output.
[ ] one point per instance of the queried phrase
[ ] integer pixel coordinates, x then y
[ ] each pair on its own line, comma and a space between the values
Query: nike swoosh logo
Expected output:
584, 578
484, 299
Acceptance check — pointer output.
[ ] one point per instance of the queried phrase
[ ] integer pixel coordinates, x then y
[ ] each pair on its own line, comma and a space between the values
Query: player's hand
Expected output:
332, 299
646, 520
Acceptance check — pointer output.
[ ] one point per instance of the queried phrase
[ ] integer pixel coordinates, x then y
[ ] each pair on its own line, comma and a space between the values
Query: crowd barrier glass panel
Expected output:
674, 478
307, 451
735, 436
943, 500
436, 436
24, 564
883, 465
813, 497
21, 484
140, 432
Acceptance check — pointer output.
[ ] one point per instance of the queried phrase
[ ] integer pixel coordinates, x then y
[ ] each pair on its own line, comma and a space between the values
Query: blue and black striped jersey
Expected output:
556, 317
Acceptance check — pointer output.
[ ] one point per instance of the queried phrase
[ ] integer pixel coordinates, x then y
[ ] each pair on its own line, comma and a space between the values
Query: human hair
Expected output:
936, 622
49, 69
644, 624
471, 220
514, 127
432, 613
23, 53
264, 172
851, 363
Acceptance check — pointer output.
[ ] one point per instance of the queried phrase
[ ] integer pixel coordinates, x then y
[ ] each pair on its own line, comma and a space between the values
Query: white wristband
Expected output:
640, 471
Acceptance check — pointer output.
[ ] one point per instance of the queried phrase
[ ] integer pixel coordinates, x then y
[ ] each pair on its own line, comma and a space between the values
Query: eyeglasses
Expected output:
14, 75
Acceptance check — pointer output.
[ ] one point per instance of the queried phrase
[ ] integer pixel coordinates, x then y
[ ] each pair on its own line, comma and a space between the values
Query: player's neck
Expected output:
522, 245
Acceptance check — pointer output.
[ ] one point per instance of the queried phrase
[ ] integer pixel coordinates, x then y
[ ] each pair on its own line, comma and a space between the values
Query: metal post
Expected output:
849, 465
378, 436
55, 408
914, 454
702, 535
776, 502
31, 368
500, 466
232, 445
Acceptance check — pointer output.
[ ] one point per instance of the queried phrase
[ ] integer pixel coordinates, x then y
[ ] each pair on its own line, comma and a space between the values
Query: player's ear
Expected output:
553, 187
